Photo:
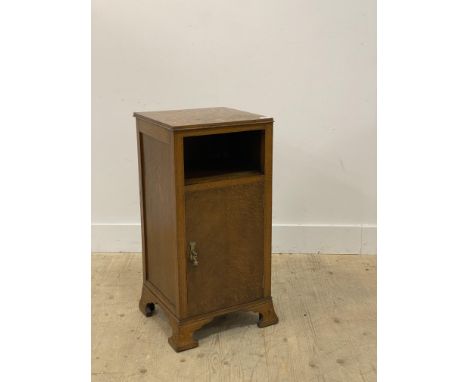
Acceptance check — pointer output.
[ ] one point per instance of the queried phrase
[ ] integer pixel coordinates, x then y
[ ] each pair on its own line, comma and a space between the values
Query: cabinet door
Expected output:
227, 225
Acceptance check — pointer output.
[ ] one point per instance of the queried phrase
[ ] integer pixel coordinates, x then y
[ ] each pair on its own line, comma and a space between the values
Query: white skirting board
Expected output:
332, 239
287, 238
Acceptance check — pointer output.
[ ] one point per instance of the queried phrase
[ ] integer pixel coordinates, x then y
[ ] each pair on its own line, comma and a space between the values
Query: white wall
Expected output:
310, 64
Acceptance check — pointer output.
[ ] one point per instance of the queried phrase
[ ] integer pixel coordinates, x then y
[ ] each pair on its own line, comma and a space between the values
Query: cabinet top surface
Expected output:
206, 117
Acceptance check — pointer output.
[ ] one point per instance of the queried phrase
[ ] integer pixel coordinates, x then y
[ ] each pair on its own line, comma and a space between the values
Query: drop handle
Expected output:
193, 255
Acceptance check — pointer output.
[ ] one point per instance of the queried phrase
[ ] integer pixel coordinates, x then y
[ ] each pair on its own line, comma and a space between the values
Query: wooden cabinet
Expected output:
205, 196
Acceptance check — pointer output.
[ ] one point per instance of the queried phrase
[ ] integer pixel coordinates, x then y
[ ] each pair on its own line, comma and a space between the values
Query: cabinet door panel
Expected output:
227, 225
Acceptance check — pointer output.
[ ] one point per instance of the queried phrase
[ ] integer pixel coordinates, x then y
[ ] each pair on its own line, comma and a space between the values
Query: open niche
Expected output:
219, 156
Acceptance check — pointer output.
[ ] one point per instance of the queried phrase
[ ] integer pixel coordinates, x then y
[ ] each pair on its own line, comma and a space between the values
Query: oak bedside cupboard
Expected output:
205, 196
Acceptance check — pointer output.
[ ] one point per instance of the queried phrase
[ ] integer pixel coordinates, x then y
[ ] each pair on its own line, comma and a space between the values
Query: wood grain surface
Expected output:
204, 117
160, 238
230, 251
327, 329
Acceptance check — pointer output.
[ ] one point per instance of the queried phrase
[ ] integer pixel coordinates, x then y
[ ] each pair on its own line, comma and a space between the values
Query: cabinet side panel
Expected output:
159, 217
267, 151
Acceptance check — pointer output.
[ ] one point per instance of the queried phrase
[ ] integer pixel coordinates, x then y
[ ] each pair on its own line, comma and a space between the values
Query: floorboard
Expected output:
326, 305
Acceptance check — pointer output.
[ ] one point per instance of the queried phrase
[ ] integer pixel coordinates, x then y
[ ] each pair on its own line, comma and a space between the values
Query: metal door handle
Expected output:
193, 255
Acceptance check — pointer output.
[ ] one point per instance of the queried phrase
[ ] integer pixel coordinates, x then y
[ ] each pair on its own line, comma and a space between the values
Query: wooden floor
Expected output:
326, 305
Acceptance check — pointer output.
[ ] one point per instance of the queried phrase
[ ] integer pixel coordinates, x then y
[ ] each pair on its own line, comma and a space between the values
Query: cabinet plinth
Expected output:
205, 197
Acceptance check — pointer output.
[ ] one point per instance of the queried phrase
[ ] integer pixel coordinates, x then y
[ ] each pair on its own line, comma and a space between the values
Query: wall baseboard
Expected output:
115, 238
333, 239
287, 238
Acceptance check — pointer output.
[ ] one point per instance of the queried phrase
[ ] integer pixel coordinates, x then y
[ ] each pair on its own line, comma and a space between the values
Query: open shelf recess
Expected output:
213, 158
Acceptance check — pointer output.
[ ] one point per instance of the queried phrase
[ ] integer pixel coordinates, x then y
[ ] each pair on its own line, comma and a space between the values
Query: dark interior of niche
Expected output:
218, 154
